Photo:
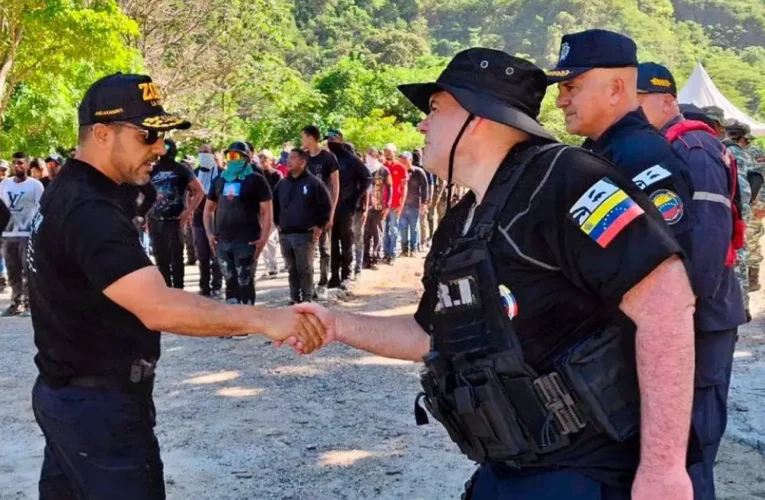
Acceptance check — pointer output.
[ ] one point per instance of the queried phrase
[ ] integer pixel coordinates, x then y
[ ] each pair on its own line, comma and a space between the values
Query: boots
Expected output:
754, 279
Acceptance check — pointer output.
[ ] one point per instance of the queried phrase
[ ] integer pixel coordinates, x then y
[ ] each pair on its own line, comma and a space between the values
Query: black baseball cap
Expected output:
586, 50
128, 98
490, 84
655, 79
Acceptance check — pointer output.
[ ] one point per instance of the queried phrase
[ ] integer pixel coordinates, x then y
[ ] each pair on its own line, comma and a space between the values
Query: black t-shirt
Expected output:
322, 166
574, 239
237, 217
83, 241
272, 176
171, 179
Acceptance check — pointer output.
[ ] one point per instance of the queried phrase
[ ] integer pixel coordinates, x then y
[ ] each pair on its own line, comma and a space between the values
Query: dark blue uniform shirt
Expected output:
646, 157
719, 304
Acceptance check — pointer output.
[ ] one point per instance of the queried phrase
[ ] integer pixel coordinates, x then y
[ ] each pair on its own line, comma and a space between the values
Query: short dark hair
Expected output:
18, 155
300, 152
35, 164
312, 131
251, 146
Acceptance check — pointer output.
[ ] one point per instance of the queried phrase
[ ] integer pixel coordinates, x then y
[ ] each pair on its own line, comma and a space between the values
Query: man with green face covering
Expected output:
237, 219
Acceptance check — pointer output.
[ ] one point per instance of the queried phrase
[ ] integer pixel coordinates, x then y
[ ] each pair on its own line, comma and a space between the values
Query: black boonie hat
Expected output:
127, 98
581, 52
239, 147
655, 79
490, 84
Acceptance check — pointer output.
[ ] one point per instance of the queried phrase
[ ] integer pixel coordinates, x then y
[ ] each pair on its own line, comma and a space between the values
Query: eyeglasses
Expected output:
235, 156
149, 136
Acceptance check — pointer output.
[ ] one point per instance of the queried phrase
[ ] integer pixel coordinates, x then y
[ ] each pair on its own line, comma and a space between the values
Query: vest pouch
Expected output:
603, 373
482, 409
435, 403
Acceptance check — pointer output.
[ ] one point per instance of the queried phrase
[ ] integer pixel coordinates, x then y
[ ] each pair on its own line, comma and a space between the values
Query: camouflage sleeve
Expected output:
744, 164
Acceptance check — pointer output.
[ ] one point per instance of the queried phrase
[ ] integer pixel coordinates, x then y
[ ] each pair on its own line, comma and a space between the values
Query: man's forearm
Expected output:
662, 307
392, 337
207, 220
188, 314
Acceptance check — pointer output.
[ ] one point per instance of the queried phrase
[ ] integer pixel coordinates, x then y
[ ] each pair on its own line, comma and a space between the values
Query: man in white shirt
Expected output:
20, 194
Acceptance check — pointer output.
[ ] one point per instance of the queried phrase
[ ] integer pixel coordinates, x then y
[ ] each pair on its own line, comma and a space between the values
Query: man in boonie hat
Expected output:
550, 249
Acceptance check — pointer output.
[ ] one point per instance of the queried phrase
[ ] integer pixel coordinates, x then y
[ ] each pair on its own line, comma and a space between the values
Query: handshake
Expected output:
306, 327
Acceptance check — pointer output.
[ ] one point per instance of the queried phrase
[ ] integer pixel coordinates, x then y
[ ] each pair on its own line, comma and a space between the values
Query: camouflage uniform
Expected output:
744, 163
755, 229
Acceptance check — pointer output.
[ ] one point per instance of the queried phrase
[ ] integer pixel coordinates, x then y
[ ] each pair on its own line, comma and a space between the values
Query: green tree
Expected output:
50, 51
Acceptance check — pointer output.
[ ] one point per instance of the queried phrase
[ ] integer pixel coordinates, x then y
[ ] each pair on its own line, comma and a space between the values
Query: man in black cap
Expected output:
52, 165
99, 305
553, 260
237, 218
597, 80
719, 303
178, 195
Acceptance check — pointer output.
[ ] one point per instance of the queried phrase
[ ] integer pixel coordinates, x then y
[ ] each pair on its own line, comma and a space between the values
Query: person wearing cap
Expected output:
719, 303
178, 195
273, 177
730, 133
238, 218
21, 194
52, 164
98, 305
380, 196
754, 227
354, 181
416, 200
399, 181
551, 249
597, 83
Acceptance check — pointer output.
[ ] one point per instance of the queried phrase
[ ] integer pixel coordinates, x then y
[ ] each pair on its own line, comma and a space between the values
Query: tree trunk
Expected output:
6, 65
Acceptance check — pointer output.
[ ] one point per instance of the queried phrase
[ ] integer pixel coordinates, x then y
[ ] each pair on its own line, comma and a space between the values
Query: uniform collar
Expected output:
674, 121
629, 124
91, 174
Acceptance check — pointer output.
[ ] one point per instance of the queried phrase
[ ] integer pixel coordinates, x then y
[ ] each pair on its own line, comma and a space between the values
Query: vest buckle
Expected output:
558, 400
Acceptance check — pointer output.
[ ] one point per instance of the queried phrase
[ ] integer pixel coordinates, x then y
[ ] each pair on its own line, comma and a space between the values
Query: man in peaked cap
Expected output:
719, 303
550, 250
99, 305
597, 82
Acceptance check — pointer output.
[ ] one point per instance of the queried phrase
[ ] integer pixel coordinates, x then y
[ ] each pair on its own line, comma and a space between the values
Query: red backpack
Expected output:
739, 225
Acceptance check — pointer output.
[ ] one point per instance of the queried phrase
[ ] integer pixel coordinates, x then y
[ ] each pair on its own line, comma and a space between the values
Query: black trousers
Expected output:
167, 242
208, 263
373, 237
342, 246
99, 444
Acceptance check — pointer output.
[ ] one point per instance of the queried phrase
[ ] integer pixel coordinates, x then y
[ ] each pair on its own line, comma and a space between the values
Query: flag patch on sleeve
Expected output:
603, 211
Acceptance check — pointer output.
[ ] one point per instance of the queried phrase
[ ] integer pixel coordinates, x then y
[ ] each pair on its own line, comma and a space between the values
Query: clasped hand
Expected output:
305, 327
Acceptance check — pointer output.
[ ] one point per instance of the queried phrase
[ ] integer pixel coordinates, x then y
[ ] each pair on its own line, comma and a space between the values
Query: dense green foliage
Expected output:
262, 69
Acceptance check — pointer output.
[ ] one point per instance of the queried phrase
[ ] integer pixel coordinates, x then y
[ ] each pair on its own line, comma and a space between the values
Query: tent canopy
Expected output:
701, 91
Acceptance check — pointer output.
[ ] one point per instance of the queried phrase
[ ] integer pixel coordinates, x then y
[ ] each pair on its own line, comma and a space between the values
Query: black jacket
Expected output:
354, 179
301, 203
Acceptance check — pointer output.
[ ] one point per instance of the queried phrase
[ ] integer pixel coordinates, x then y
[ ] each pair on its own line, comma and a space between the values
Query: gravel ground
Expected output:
238, 419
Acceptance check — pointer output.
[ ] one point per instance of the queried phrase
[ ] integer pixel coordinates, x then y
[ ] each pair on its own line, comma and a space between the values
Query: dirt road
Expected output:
238, 419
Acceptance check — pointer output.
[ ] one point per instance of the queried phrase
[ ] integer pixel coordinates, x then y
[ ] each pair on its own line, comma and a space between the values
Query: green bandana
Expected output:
237, 170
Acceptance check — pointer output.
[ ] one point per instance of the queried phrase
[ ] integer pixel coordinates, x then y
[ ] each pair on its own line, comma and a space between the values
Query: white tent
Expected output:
701, 91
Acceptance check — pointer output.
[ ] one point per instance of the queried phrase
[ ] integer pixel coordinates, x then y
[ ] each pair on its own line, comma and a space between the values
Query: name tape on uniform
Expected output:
651, 176
603, 211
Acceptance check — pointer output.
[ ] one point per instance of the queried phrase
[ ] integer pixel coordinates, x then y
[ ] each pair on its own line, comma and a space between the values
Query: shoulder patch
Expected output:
651, 176
603, 211
669, 204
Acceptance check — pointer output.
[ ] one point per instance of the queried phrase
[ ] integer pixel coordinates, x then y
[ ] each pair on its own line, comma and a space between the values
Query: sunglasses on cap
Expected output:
235, 156
150, 137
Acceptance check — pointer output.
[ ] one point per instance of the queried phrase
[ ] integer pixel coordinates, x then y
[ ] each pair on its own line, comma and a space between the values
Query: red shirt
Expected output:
283, 169
399, 177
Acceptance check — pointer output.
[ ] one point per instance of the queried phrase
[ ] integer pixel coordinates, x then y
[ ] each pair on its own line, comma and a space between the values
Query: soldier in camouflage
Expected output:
734, 132
756, 229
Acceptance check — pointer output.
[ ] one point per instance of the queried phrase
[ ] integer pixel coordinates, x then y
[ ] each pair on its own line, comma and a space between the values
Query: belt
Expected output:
110, 384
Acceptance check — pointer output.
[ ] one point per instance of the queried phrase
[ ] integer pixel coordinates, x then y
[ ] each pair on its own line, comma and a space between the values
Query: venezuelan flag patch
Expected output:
604, 211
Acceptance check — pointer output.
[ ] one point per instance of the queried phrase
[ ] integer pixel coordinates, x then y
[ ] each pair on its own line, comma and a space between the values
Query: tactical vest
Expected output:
738, 237
476, 382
